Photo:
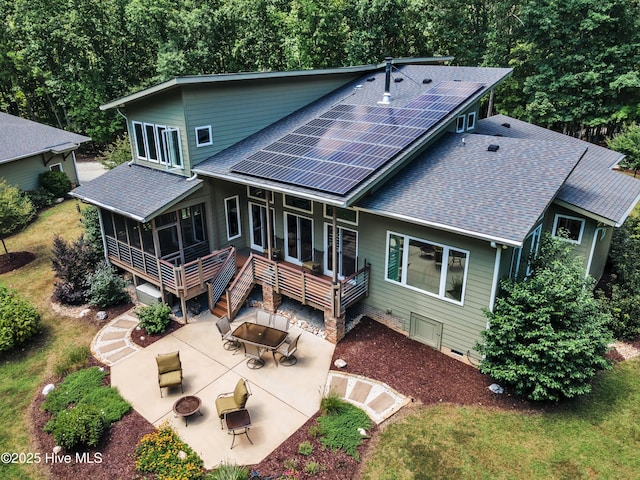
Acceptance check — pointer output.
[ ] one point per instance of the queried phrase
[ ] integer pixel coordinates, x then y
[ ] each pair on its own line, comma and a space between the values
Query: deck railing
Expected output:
185, 281
297, 283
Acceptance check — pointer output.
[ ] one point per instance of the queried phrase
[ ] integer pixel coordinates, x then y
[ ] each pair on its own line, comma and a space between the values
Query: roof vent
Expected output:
426, 80
398, 79
386, 97
371, 79
506, 125
493, 147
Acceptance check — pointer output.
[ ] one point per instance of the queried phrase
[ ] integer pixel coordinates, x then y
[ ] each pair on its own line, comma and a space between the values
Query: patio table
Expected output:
261, 336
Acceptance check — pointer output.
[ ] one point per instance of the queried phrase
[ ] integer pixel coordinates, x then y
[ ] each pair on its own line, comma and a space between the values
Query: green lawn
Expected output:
597, 436
21, 372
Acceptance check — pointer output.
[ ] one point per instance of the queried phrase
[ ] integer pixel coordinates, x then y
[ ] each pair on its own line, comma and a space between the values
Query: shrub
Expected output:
90, 221
305, 448
228, 471
339, 429
106, 288
312, 468
116, 153
331, 404
624, 308
548, 335
57, 183
74, 358
154, 318
72, 263
19, 320
41, 198
82, 425
16, 210
159, 453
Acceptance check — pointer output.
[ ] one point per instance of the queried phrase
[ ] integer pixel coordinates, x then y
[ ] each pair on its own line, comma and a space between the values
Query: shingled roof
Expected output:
24, 138
465, 188
594, 187
135, 191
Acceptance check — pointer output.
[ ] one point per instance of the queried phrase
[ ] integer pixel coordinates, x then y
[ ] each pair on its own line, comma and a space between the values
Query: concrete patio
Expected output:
282, 400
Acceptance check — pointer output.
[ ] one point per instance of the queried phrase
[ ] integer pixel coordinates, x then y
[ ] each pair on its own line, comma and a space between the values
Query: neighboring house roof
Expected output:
22, 138
245, 76
137, 192
465, 188
594, 187
367, 91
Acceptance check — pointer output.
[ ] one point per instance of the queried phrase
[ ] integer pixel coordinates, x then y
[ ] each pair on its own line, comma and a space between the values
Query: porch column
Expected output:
271, 299
270, 247
334, 327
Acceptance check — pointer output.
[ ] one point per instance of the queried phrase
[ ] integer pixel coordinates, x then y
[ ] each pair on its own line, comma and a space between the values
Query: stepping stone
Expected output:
339, 385
122, 323
381, 402
113, 346
125, 352
106, 336
360, 392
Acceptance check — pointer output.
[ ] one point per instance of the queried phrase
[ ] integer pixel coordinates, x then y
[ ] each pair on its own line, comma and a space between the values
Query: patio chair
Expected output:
254, 353
231, 401
287, 350
263, 318
169, 371
228, 341
280, 322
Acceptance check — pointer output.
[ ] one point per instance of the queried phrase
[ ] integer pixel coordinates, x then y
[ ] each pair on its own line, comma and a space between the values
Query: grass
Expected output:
22, 371
596, 436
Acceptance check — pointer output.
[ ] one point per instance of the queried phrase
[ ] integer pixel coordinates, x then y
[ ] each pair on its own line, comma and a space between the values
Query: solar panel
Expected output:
342, 147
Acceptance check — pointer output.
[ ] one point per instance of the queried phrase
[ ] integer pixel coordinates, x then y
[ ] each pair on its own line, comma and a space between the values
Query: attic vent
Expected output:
371, 79
493, 147
426, 80
398, 79
506, 125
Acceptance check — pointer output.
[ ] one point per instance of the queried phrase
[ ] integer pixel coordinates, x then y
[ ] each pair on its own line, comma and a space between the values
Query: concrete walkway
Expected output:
282, 400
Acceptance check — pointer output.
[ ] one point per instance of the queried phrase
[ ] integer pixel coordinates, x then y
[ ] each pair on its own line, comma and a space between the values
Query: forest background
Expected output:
576, 62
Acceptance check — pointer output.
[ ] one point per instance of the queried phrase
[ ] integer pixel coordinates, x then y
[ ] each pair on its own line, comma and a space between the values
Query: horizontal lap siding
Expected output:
237, 110
461, 324
25, 173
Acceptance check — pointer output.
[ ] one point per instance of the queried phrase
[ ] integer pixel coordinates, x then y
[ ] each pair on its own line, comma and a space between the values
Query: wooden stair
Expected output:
220, 307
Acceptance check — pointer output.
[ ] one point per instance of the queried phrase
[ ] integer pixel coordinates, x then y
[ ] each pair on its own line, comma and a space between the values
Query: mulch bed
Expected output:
370, 349
15, 260
143, 339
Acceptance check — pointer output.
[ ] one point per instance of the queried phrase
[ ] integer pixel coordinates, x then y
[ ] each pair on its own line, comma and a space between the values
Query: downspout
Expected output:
104, 237
131, 145
496, 272
593, 246
269, 226
334, 248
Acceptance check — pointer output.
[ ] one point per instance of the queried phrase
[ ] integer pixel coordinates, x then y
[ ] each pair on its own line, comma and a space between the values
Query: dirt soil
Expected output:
370, 349
15, 260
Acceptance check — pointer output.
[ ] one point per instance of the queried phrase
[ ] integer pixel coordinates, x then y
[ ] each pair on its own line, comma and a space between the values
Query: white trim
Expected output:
148, 142
59, 164
136, 140
496, 280
569, 217
286, 205
593, 247
270, 192
295, 260
226, 216
471, 120
460, 123
444, 269
253, 245
326, 267
342, 220
204, 144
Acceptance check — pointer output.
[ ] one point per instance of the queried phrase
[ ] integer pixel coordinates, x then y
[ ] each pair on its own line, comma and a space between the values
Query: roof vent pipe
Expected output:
386, 97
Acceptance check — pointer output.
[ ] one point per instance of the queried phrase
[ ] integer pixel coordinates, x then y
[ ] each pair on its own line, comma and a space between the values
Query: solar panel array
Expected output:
338, 150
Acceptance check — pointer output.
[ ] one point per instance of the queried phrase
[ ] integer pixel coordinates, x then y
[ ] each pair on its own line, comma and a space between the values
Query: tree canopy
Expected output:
576, 62
16, 210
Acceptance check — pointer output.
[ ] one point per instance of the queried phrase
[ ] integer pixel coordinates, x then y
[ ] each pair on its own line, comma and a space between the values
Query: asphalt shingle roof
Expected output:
593, 186
465, 188
20, 138
135, 191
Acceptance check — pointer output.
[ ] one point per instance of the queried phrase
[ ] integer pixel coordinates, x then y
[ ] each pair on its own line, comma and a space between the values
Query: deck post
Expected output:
271, 299
334, 327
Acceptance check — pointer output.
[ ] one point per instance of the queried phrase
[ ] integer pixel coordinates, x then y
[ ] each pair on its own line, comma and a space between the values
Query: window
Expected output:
471, 121
259, 193
55, 167
346, 215
204, 137
460, 124
158, 143
232, 213
435, 269
298, 203
568, 228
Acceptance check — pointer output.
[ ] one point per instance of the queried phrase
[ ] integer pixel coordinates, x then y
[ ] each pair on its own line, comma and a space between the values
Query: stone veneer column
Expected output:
334, 327
271, 300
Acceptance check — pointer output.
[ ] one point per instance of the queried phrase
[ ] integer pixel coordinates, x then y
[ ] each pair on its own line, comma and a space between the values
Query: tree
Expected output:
116, 153
628, 143
547, 335
16, 210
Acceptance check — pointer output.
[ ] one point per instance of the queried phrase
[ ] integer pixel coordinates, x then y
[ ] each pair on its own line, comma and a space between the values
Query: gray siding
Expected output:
237, 110
461, 324
25, 173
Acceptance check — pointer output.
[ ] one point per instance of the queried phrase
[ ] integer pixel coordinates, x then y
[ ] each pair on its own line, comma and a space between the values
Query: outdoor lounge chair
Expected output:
224, 327
287, 350
169, 371
280, 322
263, 318
230, 401
254, 353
